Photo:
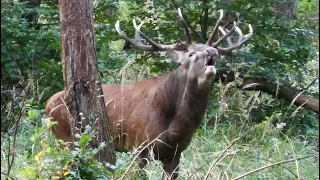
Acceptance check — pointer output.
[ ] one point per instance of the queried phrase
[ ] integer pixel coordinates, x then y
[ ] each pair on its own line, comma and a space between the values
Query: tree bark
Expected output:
83, 93
279, 91
287, 8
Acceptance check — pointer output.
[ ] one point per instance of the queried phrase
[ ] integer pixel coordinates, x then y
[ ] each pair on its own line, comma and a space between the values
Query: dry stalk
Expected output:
17, 120
219, 157
271, 165
140, 151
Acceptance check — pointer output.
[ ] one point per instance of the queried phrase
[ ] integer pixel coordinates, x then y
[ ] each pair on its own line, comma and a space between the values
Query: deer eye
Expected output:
191, 54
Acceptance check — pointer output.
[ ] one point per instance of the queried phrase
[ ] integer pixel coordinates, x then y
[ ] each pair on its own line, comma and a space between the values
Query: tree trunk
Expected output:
32, 17
287, 8
83, 93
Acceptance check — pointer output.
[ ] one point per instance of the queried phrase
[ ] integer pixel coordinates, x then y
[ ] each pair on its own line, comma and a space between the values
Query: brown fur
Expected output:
138, 113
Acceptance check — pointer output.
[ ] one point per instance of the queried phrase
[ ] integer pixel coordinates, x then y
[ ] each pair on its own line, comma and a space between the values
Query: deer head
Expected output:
199, 59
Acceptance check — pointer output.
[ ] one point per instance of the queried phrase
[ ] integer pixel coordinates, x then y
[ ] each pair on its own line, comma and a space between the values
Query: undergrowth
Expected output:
243, 135
229, 144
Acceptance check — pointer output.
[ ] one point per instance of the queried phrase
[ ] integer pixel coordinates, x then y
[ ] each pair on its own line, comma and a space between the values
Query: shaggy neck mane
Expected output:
183, 102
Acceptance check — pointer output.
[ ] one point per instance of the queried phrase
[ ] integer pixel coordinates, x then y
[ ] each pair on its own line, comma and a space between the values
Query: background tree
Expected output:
288, 8
82, 87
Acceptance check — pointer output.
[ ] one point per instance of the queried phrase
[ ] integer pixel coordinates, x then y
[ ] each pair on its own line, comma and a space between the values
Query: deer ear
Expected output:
176, 56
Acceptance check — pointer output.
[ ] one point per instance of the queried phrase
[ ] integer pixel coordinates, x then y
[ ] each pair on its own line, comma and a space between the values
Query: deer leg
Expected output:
143, 162
171, 168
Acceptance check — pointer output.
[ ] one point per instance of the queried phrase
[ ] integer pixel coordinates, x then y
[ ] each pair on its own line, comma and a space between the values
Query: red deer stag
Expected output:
168, 107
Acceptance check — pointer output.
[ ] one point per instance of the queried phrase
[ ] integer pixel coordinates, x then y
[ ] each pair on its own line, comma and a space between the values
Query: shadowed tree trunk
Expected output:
83, 93
32, 17
287, 8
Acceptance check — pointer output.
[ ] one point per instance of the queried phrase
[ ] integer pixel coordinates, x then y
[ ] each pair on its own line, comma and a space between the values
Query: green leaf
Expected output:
34, 114
30, 172
84, 140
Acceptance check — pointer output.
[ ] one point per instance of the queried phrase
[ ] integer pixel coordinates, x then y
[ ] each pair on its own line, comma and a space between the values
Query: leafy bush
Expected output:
48, 158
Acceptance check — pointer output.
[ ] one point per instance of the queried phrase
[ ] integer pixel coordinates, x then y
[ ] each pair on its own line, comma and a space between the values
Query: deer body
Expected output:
167, 108
171, 106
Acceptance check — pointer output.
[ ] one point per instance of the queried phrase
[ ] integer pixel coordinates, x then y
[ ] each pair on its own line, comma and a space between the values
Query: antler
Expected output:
136, 42
226, 35
185, 25
153, 46
214, 31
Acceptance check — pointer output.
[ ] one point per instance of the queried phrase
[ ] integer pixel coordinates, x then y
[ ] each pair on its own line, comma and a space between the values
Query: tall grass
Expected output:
232, 141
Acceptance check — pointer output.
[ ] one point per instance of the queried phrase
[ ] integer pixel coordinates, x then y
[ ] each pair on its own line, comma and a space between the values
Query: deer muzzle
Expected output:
211, 55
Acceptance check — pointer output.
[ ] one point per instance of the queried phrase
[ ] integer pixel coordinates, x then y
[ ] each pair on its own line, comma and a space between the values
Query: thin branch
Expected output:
251, 7
271, 165
308, 86
43, 24
264, 159
201, 25
7, 175
219, 157
8, 157
12, 92
204, 24
201, 167
298, 95
17, 121
140, 151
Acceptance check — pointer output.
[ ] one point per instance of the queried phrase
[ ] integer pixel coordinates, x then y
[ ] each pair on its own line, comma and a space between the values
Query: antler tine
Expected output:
238, 30
154, 44
219, 41
210, 39
136, 33
189, 41
224, 32
242, 39
135, 42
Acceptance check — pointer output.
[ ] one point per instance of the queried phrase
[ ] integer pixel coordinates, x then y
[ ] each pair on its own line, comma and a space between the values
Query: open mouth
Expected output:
210, 61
